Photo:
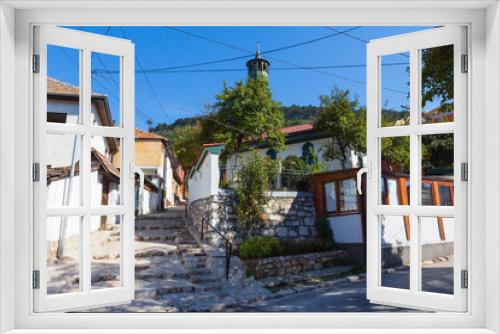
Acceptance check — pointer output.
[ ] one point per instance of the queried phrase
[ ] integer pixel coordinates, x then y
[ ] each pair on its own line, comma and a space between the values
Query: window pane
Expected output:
63, 170
437, 84
348, 195
395, 163
106, 109
105, 244
445, 195
105, 175
427, 194
63, 254
437, 169
395, 90
395, 252
331, 203
436, 249
63, 92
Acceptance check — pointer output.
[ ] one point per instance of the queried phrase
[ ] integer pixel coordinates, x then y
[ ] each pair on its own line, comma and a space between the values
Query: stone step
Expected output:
158, 292
199, 270
155, 252
200, 279
190, 249
160, 225
208, 286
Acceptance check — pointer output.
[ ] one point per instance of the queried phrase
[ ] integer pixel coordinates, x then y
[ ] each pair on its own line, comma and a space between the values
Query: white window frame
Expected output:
483, 18
85, 44
414, 43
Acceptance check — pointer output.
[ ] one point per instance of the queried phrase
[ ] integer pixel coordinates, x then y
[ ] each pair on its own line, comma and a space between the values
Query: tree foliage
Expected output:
339, 120
251, 192
437, 76
247, 110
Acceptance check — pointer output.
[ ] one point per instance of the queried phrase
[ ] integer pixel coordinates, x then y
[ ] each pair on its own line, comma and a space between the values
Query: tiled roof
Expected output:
288, 131
63, 88
105, 163
139, 134
58, 87
294, 129
200, 152
100, 161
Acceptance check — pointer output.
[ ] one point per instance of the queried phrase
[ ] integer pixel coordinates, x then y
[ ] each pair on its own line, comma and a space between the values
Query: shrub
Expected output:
251, 188
303, 246
260, 247
324, 230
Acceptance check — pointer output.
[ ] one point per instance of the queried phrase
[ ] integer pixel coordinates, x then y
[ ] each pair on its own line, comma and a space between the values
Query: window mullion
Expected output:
414, 168
85, 94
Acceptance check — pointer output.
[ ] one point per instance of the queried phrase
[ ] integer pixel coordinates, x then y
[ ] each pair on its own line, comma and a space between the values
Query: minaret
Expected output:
258, 67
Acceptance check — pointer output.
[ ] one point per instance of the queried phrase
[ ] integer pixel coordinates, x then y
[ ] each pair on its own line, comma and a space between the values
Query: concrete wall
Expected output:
56, 198
347, 228
204, 181
296, 149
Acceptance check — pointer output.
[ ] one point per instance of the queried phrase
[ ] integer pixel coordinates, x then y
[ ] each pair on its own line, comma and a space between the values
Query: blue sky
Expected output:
185, 92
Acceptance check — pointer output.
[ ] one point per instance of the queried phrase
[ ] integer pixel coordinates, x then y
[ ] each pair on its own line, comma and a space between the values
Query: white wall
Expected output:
347, 228
296, 149
205, 181
168, 178
55, 194
60, 147
151, 201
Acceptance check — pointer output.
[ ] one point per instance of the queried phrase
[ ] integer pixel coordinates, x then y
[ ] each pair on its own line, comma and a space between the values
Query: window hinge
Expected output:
36, 63
465, 171
36, 172
465, 64
36, 279
465, 279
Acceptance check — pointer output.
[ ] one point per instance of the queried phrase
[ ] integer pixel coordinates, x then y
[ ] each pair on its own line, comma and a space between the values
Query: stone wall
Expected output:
294, 264
290, 215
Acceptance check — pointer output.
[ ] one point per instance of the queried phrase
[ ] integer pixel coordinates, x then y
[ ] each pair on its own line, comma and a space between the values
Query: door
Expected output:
416, 133
83, 172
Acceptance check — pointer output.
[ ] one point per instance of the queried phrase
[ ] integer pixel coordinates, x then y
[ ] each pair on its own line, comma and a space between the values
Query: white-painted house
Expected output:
301, 140
64, 157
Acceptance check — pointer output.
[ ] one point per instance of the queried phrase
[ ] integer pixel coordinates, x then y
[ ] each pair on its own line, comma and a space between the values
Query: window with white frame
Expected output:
431, 196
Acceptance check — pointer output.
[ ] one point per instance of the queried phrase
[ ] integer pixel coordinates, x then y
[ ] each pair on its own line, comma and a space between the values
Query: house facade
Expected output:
303, 141
64, 156
162, 171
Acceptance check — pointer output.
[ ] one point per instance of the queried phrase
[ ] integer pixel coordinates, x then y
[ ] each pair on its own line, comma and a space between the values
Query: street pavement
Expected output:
350, 296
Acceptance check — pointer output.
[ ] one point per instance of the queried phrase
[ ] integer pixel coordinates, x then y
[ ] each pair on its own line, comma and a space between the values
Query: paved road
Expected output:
351, 296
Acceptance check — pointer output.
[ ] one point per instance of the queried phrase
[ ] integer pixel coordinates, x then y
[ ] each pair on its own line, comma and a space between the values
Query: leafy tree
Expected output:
437, 76
247, 110
251, 191
339, 120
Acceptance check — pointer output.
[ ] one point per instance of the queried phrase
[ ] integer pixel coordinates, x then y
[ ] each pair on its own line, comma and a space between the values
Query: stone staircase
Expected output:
168, 258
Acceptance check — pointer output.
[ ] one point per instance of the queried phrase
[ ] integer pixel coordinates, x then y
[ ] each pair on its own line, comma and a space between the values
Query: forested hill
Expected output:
294, 114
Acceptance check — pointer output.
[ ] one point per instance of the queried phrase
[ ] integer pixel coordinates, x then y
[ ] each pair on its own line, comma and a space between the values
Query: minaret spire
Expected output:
258, 67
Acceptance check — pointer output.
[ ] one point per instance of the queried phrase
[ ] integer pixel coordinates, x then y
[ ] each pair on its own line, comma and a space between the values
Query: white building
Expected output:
301, 141
64, 156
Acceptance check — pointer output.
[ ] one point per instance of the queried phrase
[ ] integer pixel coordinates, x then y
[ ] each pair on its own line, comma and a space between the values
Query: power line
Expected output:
77, 67
147, 80
346, 33
314, 40
155, 71
290, 63
224, 60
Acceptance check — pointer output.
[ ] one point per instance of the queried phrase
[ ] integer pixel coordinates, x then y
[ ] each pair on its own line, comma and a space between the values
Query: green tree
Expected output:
437, 76
247, 110
251, 191
339, 120
186, 143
